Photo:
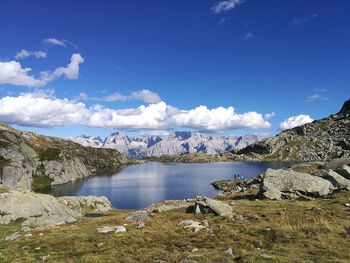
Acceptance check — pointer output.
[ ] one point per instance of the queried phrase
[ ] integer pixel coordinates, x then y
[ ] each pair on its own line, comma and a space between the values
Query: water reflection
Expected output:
138, 186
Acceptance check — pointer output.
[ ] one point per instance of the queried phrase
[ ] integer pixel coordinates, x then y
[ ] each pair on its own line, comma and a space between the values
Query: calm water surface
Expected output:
138, 186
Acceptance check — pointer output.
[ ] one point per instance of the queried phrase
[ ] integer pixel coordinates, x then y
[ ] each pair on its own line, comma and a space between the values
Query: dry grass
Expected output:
289, 231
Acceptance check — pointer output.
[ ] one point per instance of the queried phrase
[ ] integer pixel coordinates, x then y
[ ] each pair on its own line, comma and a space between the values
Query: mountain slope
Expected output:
324, 139
31, 161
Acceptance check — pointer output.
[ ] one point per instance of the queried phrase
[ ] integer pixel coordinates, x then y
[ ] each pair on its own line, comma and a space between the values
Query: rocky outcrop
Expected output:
324, 139
30, 161
41, 210
95, 203
278, 184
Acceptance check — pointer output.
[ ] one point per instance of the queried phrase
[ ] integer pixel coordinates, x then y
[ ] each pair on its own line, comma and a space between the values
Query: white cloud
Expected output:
146, 96
303, 20
12, 73
72, 69
317, 97
54, 42
143, 95
25, 53
248, 35
295, 121
219, 119
42, 109
33, 109
58, 42
225, 6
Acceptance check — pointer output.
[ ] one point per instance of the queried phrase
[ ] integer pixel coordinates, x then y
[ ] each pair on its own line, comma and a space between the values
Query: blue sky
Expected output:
290, 58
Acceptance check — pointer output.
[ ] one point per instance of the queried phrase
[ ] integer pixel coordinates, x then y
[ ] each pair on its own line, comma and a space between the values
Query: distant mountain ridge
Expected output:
178, 142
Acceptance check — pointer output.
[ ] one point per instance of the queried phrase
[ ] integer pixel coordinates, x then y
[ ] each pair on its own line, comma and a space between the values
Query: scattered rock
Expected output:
337, 180
344, 171
347, 205
44, 258
141, 225
106, 229
229, 251
169, 205
194, 250
266, 256
138, 216
120, 229
101, 244
191, 224
211, 206
12, 237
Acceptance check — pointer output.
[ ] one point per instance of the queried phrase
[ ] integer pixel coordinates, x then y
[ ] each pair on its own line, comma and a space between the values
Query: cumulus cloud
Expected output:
42, 109
143, 95
295, 121
12, 73
25, 53
225, 6
38, 110
219, 119
146, 96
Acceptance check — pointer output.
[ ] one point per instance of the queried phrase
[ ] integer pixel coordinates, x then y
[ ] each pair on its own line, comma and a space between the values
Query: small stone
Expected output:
25, 229
194, 250
37, 248
100, 244
347, 204
141, 225
26, 247
205, 223
44, 258
106, 229
12, 237
229, 251
120, 229
266, 256
258, 244
28, 235
41, 234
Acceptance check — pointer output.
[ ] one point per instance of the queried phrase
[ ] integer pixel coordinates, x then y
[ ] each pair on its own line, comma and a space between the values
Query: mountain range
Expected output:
178, 142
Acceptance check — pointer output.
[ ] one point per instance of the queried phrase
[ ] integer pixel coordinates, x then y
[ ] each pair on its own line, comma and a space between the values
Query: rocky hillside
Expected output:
178, 142
31, 161
324, 139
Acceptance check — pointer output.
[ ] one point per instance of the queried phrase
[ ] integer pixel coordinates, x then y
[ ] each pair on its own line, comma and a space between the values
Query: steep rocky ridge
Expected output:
324, 139
30, 161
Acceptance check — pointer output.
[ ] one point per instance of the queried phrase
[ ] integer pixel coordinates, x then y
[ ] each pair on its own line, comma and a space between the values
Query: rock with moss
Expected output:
95, 203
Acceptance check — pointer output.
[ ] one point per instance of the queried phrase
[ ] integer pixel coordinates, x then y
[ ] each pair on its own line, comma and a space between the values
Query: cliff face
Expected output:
325, 139
30, 161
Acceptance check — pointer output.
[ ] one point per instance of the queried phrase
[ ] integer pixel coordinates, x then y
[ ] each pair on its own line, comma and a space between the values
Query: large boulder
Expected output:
338, 181
211, 206
35, 210
278, 184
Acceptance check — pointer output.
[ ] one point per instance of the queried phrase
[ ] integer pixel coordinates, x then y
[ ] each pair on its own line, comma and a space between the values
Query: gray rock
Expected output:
36, 210
277, 184
120, 229
106, 229
97, 203
338, 181
12, 237
212, 206
195, 226
169, 205
141, 225
138, 216
344, 171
